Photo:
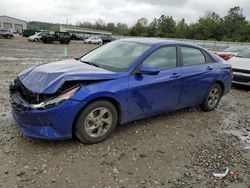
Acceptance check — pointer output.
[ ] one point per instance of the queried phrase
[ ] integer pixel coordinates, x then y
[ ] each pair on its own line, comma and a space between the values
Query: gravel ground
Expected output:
177, 149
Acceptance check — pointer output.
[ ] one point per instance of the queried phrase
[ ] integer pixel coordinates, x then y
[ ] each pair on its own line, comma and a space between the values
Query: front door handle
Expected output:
175, 75
209, 68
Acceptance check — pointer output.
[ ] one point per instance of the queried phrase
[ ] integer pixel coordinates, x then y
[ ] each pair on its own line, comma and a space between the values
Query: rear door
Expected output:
198, 73
151, 94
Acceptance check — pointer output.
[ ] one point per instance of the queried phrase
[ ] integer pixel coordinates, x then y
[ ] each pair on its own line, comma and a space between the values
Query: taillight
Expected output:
229, 57
226, 56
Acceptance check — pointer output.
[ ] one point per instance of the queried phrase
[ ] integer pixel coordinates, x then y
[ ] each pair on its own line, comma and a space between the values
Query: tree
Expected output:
234, 21
181, 29
140, 28
166, 26
152, 28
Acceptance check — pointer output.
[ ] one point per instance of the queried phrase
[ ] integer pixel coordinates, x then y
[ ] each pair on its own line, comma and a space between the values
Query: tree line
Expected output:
232, 27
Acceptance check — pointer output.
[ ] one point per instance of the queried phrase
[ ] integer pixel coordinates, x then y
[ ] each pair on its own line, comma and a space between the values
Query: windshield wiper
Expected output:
90, 63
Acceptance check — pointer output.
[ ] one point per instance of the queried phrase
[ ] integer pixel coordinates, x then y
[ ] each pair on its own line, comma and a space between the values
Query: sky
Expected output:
125, 11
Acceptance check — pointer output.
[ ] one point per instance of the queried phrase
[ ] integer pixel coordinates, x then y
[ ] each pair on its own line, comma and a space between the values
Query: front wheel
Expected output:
8, 36
96, 122
212, 98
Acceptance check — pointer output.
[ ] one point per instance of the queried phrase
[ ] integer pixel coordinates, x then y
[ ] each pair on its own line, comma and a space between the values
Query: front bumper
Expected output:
241, 78
54, 123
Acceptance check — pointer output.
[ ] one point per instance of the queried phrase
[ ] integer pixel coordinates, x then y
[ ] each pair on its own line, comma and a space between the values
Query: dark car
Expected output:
62, 37
6, 33
119, 82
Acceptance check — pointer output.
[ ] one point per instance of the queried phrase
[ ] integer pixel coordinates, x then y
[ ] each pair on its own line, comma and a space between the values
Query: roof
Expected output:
82, 29
153, 41
13, 18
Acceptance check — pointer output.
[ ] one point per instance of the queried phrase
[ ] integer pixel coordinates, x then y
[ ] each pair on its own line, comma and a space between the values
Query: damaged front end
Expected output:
23, 100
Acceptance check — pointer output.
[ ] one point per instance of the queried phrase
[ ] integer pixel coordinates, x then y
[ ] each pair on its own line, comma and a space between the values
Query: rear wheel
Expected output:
35, 40
212, 98
49, 40
96, 122
61, 41
67, 41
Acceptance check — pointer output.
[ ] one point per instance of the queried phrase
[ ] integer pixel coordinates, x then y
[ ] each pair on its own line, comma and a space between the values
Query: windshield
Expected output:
235, 49
37, 34
116, 56
245, 54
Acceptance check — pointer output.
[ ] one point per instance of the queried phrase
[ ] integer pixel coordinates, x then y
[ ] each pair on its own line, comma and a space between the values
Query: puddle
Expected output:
242, 135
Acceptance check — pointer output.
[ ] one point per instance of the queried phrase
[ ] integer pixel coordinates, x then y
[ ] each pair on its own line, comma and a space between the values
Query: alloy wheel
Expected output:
98, 122
213, 97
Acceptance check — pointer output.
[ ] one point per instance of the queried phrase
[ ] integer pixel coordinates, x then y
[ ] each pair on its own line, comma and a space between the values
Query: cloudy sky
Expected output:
127, 11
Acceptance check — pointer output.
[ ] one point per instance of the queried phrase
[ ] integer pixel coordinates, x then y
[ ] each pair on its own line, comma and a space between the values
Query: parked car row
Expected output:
65, 37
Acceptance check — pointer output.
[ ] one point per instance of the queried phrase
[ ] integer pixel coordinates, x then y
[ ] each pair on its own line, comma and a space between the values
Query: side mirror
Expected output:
149, 70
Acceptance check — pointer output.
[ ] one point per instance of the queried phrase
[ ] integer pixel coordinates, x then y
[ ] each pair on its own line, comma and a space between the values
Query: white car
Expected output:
241, 68
36, 37
93, 40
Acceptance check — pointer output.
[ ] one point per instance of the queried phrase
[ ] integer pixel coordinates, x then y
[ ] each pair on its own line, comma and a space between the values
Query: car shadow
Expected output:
241, 87
120, 130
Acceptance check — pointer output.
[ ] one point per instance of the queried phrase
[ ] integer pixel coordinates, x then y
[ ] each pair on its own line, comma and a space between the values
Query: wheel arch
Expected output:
221, 84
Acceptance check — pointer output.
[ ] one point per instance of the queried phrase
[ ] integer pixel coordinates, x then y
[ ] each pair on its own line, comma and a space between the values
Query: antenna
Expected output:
4, 11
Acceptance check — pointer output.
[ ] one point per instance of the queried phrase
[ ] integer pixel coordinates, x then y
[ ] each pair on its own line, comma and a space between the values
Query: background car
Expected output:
241, 68
119, 82
36, 37
62, 37
231, 52
6, 33
93, 40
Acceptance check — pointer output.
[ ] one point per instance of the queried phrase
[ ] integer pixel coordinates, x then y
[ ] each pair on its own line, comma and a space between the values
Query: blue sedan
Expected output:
122, 81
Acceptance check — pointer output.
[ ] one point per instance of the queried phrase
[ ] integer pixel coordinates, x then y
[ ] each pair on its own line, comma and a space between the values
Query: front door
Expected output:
152, 94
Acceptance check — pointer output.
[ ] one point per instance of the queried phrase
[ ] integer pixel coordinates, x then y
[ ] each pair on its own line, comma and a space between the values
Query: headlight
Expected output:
57, 100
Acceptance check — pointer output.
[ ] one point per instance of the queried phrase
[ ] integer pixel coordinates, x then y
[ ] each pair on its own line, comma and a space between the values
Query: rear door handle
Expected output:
209, 68
175, 75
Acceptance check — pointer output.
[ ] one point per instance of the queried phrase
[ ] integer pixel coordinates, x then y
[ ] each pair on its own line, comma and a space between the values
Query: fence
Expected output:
211, 45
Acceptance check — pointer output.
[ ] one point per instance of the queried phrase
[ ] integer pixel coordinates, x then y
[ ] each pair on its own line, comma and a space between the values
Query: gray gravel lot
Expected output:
177, 149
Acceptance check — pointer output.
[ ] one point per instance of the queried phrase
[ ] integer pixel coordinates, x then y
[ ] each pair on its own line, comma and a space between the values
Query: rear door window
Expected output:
192, 56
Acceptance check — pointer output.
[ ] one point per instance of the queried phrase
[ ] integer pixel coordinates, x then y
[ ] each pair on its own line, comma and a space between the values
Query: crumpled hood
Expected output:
48, 78
240, 63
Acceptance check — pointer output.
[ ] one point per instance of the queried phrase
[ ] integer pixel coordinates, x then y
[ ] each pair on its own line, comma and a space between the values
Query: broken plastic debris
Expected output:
221, 175
234, 174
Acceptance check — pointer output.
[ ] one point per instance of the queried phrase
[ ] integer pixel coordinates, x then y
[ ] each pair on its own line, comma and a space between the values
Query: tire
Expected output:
49, 40
45, 41
99, 43
67, 41
89, 42
8, 37
212, 98
105, 123
35, 40
61, 41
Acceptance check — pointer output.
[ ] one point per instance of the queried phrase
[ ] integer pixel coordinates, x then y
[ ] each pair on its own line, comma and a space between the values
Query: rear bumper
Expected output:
241, 78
